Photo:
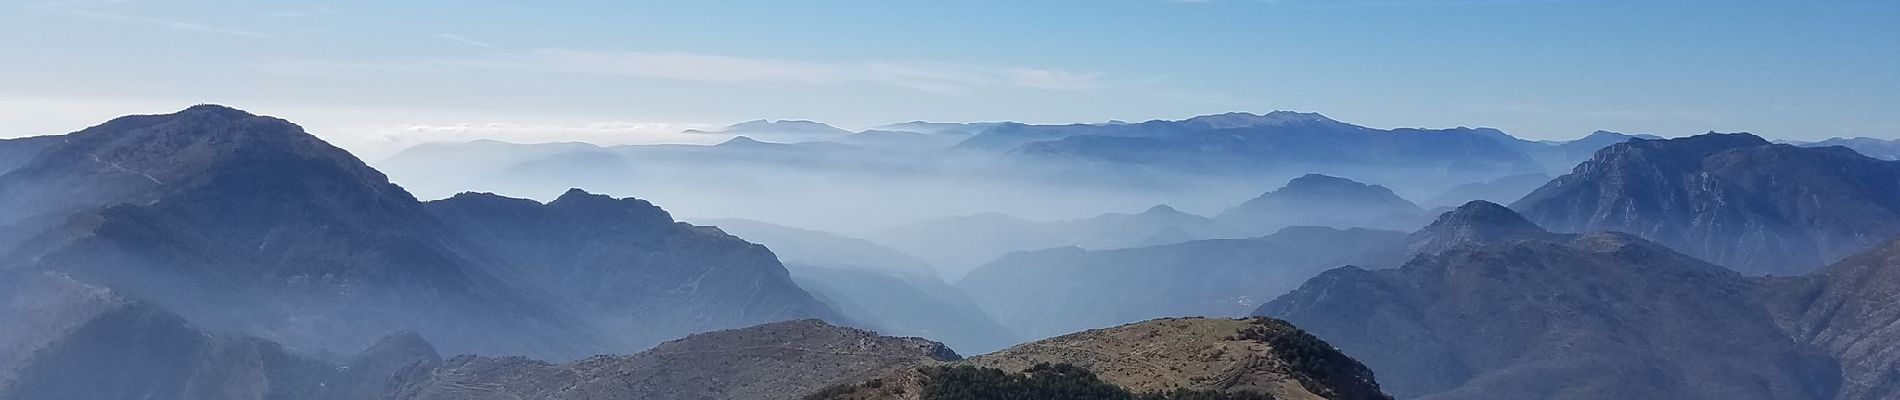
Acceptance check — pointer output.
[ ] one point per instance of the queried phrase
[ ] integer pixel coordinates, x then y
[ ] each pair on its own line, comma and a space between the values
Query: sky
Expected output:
376, 76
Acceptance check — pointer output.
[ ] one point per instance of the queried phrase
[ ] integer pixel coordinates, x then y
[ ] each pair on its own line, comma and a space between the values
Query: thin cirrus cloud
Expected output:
176, 25
613, 132
938, 77
463, 40
926, 76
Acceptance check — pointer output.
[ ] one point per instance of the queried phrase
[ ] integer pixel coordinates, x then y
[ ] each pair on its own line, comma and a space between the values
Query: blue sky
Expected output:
374, 76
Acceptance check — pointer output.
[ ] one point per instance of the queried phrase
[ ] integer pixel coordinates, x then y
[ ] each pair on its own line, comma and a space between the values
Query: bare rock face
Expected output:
774, 361
1848, 309
1578, 317
1735, 200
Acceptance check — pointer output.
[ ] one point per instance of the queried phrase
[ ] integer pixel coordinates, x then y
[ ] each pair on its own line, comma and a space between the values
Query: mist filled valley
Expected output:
245, 258
967, 200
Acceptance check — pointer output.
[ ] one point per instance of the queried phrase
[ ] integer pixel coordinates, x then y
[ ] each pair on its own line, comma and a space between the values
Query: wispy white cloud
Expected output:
296, 13
392, 136
176, 25
1055, 79
463, 40
671, 66
937, 77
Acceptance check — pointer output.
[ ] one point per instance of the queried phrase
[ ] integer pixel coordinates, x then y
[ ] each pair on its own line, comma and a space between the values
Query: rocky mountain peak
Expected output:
1162, 210
1695, 146
1316, 183
627, 209
407, 345
1478, 221
1733, 199
205, 149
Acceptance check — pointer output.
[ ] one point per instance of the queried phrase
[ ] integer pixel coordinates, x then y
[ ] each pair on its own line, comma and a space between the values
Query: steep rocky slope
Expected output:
17, 151
1580, 317
1848, 309
1732, 199
626, 263
247, 224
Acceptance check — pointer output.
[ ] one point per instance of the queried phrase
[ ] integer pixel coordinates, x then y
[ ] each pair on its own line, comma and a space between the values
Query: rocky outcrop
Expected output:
1262, 357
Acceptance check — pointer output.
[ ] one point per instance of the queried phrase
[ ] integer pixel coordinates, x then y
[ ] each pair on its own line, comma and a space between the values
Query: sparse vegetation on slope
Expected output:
1040, 382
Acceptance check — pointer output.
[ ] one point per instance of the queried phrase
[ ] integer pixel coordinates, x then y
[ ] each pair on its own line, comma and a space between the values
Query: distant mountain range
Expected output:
875, 286
961, 243
1885, 149
1074, 170
792, 128
216, 254
1049, 292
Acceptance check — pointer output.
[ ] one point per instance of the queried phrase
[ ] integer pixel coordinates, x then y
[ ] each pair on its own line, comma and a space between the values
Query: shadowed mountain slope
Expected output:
247, 224
626, 263
1848, 309
1584, 317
